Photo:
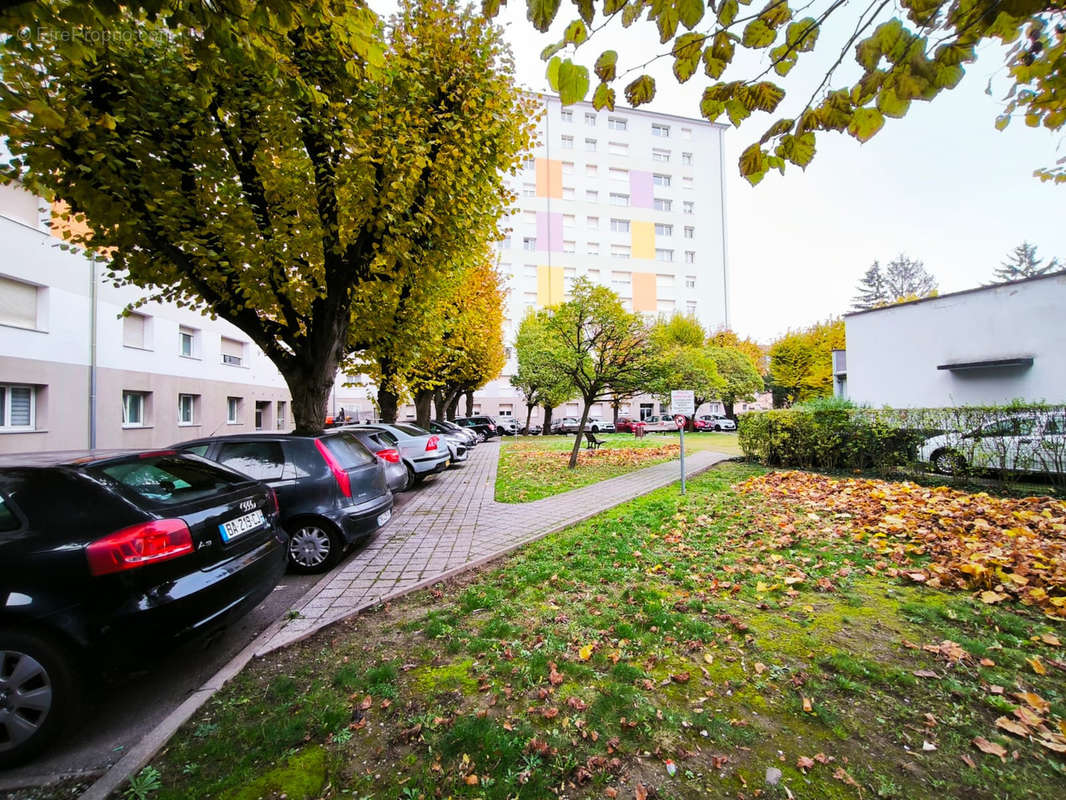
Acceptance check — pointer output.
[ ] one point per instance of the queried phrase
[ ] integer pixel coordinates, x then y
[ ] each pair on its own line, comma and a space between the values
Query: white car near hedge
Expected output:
1018, 442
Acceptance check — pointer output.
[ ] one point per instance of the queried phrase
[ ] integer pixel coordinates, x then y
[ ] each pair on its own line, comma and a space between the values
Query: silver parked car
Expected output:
423, 453
1017, 442
386, 447
453, 433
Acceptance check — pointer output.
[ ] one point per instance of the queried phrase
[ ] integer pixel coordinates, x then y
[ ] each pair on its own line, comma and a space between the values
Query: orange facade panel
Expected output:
549, 177
644, 298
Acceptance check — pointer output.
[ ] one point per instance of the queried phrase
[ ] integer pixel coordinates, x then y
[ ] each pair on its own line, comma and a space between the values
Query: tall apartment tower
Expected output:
630, 199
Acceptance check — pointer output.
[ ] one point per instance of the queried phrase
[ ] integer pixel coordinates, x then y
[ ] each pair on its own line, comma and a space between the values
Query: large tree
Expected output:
903, 279
1022, 262
276, 172
801, 362
683, 360
904, 51
539, 376
740, 380
756, 353
600, 344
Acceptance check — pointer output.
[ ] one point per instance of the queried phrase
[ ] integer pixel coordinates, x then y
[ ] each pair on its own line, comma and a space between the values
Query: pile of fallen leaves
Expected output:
613, 456
1003, 548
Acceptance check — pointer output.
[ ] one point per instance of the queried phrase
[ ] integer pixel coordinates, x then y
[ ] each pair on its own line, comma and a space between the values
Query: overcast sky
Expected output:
941, 185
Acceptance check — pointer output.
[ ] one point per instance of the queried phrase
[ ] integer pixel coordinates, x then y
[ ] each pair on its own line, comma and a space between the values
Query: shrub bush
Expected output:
837, 435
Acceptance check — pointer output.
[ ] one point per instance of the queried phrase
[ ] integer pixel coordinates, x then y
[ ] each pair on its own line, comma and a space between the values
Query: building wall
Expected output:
893, 353
53, 355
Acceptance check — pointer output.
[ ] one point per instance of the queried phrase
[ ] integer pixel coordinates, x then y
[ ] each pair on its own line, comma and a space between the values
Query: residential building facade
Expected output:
78, 371
985, 346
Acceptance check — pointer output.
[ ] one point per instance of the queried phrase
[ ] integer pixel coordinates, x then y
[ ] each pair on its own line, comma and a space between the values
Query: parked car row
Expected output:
106, 559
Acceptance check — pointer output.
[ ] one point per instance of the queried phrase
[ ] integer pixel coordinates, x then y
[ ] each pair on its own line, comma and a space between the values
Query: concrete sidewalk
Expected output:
453, 523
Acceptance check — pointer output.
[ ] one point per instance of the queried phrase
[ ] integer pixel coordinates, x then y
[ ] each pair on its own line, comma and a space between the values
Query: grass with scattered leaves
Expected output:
673, 647
533, 467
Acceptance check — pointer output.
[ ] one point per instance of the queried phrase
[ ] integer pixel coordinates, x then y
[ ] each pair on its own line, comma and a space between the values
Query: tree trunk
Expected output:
423, 400
580, 433
616, 406
727, 406
453, 407
469, 404
439, 405
310, 381
529, 414
547, 420
388, 403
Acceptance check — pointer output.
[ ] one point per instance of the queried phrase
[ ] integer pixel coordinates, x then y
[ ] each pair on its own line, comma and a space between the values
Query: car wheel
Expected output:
413, 478
314, 546
948, 462
37, 695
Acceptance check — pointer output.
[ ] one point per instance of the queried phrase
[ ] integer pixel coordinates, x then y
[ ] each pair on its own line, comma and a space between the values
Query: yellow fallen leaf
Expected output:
760, 668
1034, 701
1037, 665
708, 658
991, 748
1051, 639
1011, 726
989, 598
761, 587
585, 653
808, 706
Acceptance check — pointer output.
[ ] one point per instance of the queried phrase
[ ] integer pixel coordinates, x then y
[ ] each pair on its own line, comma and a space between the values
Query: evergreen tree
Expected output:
1023, 263
871, 290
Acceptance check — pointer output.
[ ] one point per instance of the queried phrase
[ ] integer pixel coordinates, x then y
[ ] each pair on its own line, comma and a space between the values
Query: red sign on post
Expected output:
679, 421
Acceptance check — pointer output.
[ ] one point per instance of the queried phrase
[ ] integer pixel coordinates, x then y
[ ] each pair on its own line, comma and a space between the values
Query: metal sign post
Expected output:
682, 405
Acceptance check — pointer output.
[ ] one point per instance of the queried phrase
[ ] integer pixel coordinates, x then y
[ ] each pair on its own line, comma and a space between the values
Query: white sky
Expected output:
941, 185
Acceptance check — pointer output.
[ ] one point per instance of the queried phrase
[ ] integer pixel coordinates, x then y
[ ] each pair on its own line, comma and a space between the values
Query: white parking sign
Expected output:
683, 401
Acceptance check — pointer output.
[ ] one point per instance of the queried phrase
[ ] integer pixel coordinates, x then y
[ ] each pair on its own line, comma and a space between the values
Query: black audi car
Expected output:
105, 561
332, 491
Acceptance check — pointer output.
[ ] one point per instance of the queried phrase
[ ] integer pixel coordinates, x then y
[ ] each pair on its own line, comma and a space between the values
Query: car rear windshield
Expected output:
411, 430
348, 450
386, 438
169, 480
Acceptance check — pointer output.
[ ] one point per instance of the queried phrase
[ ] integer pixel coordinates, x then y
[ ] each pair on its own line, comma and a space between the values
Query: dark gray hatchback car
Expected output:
332, 491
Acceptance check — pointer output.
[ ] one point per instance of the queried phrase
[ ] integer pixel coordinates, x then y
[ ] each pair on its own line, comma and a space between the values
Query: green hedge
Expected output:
835, 436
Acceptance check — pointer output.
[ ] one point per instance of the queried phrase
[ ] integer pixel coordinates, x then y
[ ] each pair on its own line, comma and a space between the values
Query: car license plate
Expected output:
385, 517
236, 527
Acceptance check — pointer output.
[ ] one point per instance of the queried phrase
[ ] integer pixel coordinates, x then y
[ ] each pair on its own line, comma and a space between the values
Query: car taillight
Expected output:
274, 500
432, 443
343, 480
389, 454
492, 427
138, 545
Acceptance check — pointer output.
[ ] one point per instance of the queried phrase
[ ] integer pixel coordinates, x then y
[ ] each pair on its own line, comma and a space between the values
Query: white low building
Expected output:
985, 346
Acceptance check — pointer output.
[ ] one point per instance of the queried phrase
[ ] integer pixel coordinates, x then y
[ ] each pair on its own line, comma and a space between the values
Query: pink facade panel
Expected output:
640, 189
550, 230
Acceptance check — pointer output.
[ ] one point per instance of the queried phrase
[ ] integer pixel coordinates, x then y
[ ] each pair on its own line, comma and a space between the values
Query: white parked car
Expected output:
1019, 442
597, 425
712, 422
660, 424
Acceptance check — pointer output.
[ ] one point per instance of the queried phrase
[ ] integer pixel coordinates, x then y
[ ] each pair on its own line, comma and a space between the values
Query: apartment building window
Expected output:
592, 196
232, 352
566, 115
135, 331
593, 275
530, 162
568, 167
663, 281
690, 307
660, 155
189, 342
690, 256
660, 130
529, 190
592, 248
569, 246
529, 299
619, 225
505, 242
616, 123
592, 222
662, 229
620, 251
616, 174
619, 199
529, 243
689, 207
590, 119
686, 133
18, 407
568, 142
531, 270
591, 170
662, 204
569, 220
529, 217
688, 183
686, 159
664, 255
660, 180
690, 281
618, 148
280, 424
233, 410
690, 232
620, 279
570, 273
134, 407
568, 193
18, 304
590, 145
664, 306
187, 404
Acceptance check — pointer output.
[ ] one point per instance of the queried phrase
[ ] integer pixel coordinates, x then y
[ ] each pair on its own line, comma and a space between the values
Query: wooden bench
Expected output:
591, 442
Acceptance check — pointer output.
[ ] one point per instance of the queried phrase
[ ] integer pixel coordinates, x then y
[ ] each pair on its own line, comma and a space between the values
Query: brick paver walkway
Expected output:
453, 523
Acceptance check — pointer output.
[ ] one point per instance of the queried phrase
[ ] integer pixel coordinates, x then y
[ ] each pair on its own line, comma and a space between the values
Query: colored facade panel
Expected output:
550, 232
550, 178
644, 292
643, 244
641, 192
550, 286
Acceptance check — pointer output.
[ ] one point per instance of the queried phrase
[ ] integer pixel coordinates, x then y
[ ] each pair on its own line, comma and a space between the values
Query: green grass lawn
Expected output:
532, 467
686, 644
